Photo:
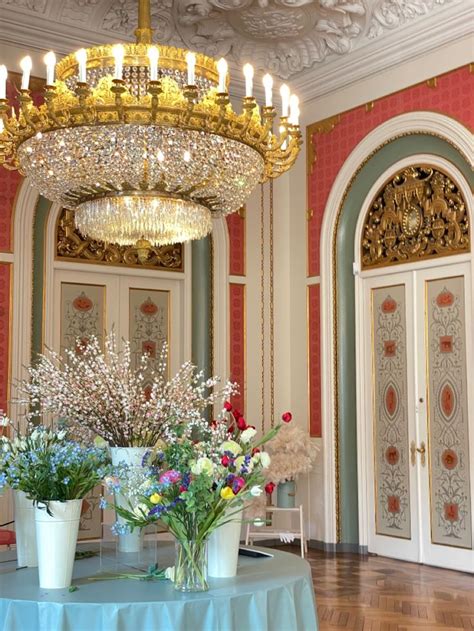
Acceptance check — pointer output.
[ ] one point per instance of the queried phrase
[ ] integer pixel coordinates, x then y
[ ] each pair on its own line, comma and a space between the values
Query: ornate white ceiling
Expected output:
298, 39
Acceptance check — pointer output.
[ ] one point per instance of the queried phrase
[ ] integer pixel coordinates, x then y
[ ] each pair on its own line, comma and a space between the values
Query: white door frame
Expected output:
362, 430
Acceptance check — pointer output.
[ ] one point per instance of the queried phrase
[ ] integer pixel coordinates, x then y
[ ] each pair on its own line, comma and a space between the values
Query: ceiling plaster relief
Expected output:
289, 38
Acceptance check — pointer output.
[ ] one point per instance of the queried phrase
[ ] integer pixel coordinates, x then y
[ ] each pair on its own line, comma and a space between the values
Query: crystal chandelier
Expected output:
141, 141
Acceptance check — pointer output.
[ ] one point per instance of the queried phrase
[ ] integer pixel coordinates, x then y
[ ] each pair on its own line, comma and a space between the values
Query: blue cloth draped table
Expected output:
268, 594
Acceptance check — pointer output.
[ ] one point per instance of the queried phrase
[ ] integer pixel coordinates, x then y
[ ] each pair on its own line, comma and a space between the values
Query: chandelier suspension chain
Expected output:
144, 32
272, 315
262, 291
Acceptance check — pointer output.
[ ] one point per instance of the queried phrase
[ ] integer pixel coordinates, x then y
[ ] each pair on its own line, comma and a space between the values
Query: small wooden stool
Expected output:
266, 532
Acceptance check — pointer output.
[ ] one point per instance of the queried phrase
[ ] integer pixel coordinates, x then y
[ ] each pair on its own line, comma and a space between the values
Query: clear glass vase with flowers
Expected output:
199, 477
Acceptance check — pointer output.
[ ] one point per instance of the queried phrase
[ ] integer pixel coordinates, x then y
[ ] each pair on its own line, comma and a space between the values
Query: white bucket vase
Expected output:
223, 548
25, 531
56, 535
131, 456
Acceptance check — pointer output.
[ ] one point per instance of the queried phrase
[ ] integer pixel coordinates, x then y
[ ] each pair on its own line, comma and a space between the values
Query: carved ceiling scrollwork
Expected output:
419, 214
284, 37
71, 245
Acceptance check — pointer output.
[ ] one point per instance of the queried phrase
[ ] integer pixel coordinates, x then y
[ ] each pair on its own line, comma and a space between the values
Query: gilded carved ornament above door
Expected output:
71, 245
418, 214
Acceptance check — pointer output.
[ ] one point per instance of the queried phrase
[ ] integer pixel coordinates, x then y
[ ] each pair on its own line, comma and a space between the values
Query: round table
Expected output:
274, 594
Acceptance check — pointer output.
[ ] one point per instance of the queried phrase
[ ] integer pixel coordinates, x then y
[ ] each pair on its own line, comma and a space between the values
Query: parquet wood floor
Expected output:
379, 594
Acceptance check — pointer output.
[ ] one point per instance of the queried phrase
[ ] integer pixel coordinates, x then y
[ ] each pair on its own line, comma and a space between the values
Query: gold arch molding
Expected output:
71, 245
418, 214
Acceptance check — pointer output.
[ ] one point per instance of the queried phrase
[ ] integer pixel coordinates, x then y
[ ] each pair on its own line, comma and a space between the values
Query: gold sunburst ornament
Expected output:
142, 141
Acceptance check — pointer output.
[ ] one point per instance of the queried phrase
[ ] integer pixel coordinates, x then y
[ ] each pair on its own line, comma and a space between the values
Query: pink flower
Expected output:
170, 477
237, 484
286, 417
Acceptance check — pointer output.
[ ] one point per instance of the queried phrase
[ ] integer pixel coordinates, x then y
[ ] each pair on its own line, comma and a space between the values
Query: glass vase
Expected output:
190, 570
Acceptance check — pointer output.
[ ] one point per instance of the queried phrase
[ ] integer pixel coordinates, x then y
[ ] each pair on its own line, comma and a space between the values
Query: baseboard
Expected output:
337, 547
331, 548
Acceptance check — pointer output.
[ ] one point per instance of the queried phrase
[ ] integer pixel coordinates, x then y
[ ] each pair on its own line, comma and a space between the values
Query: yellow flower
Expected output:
227, 493
155, 498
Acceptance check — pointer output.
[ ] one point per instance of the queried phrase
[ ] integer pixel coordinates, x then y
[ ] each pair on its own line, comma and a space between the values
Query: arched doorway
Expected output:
343, 453
414, 348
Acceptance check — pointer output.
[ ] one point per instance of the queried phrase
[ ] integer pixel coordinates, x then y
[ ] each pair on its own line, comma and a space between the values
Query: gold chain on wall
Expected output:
272, 317
272, 303
262, 291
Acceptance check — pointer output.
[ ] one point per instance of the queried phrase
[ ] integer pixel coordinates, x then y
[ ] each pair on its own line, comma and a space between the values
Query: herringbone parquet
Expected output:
378, 594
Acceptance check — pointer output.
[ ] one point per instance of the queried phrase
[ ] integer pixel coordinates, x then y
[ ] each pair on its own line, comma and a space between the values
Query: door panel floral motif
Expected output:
149, 323
390, 412
448, 413
82, 314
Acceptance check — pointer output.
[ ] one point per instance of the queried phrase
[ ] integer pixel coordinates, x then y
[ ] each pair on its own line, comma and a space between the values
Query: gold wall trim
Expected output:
319, 127
419, 213
335, 307
72, 246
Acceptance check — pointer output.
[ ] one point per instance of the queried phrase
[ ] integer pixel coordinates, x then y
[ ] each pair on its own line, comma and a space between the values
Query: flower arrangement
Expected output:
101, 392
196, 485
47, 466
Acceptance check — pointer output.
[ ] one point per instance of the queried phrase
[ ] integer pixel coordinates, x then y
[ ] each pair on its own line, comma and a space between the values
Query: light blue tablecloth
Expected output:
274, 594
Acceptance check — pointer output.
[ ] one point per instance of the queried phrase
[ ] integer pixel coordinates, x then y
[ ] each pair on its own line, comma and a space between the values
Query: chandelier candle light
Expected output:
141, 141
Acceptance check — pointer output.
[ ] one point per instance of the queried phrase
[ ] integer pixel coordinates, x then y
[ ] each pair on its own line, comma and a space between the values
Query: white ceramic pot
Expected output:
223, 548
131, 456
56, 535
25, 531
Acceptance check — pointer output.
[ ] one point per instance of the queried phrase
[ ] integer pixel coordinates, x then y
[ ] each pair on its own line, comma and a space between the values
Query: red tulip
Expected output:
269, 488
241, 424
225, 461
255, 450
228, 406
286, 417
237, 414
231, 429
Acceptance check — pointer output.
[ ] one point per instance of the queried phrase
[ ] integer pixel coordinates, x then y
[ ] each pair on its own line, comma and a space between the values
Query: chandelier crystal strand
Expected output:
141, 139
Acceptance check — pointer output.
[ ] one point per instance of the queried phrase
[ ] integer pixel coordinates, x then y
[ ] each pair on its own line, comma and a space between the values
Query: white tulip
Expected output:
256, 491
265, 459
247, 435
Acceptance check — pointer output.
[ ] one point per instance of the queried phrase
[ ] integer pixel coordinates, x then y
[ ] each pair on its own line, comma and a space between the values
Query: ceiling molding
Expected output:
400, 46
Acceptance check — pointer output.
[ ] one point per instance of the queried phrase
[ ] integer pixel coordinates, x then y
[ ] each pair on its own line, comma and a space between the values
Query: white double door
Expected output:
145, 308
416, 358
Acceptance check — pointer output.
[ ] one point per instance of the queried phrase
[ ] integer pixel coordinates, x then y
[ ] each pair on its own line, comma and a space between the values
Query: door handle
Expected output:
421, 450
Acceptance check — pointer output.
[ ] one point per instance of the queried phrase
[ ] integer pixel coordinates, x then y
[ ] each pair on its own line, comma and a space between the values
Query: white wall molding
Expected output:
414, 42
22, 283
414, 122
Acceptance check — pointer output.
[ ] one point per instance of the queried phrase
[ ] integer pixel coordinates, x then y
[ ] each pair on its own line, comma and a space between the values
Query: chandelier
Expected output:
142, 142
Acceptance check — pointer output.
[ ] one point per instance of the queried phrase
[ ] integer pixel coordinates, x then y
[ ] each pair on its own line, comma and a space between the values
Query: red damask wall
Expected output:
450, 94
236, 226
5, 287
